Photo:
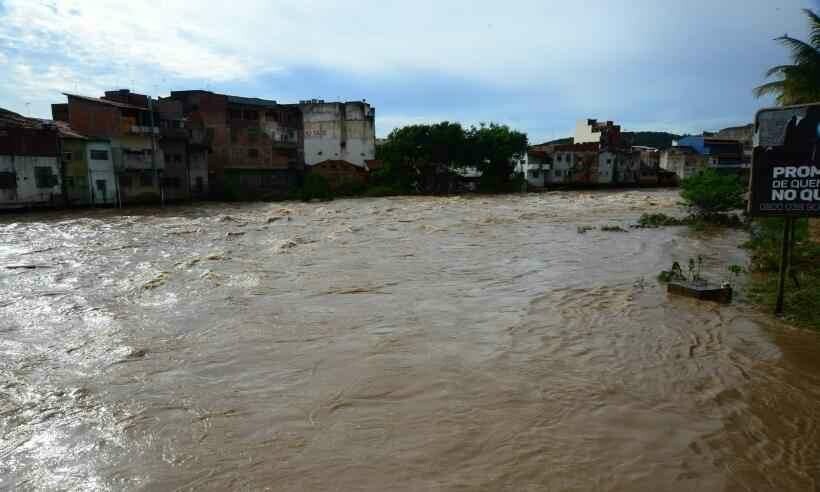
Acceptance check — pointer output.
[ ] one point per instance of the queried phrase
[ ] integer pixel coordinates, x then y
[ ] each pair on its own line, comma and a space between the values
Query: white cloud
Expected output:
579, 50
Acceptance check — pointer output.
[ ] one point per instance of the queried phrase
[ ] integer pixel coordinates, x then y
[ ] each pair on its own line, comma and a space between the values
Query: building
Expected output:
608, 134
744, 135
535, 166
719, 153
338, 131
129, 122
255, 144
339, 174
30, 170
575, 164
649, 161
88, 169
683, 161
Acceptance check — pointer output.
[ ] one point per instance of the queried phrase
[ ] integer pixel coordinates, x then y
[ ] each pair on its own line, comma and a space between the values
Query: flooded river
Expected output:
390, 344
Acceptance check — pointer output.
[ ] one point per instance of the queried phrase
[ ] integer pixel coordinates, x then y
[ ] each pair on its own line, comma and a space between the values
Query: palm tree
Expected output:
800, 81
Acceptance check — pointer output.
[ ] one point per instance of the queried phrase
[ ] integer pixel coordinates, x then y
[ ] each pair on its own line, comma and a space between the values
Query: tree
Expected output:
711, 193
800, 81
491, 148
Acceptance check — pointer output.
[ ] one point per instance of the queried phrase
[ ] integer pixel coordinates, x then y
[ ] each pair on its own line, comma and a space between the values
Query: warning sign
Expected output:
786, 162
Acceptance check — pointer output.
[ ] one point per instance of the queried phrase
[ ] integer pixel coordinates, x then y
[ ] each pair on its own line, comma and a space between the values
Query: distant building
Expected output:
30, 170
743, 134
256, 144
343, 131
535, 166
684, 162
129, 122
649, 162
608, 134
719, 153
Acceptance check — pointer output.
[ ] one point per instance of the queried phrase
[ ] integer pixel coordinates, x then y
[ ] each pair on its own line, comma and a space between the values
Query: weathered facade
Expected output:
338, 131
339, 173
649, 163
684, 162
129, 123
30, 169
255, 144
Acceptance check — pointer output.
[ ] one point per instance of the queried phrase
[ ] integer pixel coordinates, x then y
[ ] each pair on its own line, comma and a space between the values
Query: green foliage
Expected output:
709, 193
799, 81
802, 301
414, 155
315, 187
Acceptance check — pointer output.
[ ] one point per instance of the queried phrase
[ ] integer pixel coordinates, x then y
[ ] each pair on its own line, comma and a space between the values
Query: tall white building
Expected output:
343, 131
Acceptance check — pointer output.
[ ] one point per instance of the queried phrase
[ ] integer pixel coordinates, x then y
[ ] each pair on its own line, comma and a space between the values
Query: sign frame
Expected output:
785, 174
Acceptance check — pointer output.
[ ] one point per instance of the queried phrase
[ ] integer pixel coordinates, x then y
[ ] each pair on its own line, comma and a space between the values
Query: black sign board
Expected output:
786, 162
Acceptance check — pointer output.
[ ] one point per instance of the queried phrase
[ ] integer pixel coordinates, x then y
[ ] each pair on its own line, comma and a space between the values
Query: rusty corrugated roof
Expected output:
105, 101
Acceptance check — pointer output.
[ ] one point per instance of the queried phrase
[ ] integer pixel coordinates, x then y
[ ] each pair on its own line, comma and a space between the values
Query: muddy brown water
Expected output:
390, 344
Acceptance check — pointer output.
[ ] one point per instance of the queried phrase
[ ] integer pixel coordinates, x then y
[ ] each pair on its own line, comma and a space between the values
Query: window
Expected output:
68, 156
171, 182
253, 135
101, 185
200, 184
251, 115
147, 178
68, 181
235, 114
270, 115
99, 155
234, 135
253, 153
44, 177
8, 181
125, 181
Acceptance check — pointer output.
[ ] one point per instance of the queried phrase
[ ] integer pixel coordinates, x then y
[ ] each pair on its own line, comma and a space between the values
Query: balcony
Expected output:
144, 130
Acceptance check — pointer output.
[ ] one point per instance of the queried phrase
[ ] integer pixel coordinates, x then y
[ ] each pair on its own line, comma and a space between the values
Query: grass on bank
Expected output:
802, 302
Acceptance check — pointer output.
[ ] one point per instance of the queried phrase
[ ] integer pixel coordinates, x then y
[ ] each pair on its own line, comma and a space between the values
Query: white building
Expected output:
101, 176
592, 131
29, 162
535, 167
338, 131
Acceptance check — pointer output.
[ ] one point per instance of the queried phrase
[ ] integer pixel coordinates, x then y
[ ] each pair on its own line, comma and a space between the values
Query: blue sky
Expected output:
536, 65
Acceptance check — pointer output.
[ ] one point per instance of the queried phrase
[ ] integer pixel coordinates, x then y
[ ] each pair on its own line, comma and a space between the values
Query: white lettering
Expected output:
778, 195
790, 195
791, 172
778, 171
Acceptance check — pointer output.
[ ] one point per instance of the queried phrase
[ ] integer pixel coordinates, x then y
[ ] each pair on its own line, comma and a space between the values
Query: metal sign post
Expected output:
785, 179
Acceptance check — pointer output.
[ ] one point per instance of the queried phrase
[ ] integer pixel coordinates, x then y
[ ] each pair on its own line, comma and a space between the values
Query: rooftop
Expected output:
105, 101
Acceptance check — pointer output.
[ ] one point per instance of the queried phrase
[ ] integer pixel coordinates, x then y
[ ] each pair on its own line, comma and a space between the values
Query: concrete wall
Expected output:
584, 133
606, 167
75, 165
338, 131
175, 173
28, 191
198, 166
102, 179
562, 163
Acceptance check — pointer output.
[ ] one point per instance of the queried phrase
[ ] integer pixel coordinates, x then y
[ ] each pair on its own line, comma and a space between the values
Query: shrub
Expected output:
710, 193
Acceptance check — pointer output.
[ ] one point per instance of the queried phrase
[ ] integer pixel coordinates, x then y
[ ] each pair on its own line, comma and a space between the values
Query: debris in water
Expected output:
157, 281
284, 245
25, 267
230, 235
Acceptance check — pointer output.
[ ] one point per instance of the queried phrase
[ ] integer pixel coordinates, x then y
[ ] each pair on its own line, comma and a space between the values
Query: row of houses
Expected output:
600, 155
127, 148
